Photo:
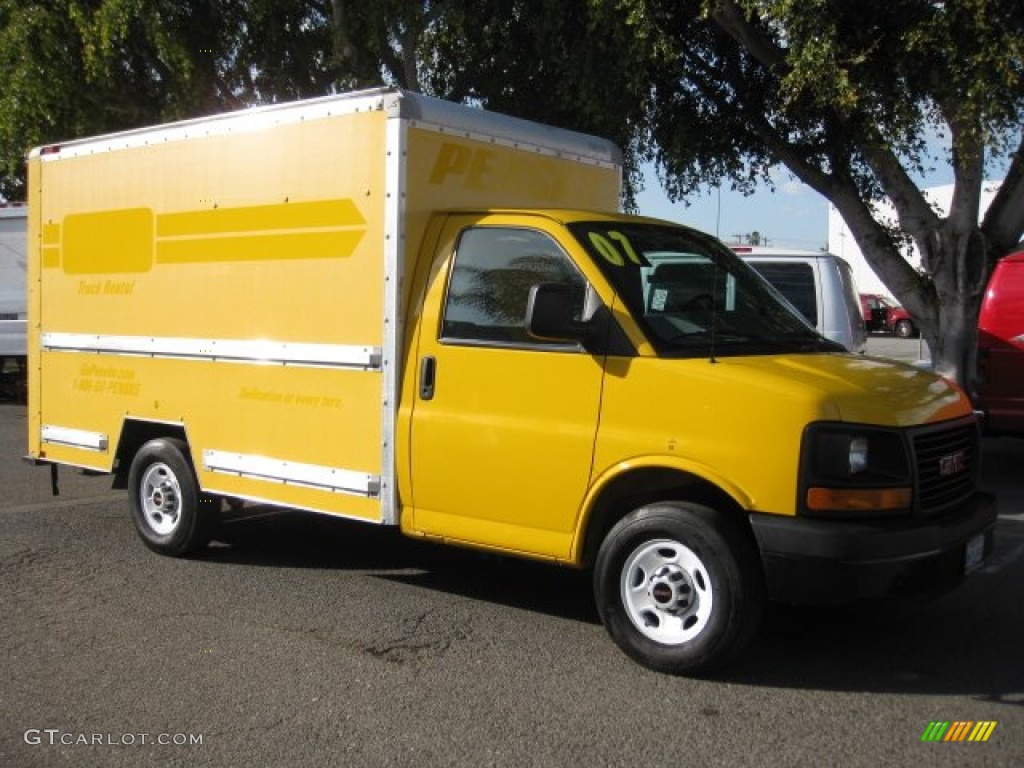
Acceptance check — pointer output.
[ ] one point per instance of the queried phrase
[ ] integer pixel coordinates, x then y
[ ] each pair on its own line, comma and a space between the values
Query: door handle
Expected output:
428, 369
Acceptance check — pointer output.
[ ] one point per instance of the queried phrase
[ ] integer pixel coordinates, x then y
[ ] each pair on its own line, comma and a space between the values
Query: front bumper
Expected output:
835, 561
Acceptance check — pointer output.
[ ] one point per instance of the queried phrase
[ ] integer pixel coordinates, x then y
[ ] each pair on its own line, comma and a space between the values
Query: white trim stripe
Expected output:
394, 323
76, 438
224, 350
292, 473
241, 121
575, 153
424, 111
493, 127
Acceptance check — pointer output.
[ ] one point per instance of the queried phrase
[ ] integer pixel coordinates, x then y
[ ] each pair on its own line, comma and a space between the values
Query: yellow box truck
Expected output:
391, 308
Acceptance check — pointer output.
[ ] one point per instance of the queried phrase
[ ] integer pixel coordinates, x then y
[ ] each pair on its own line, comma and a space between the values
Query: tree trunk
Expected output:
945, 297
955, 259
951, 338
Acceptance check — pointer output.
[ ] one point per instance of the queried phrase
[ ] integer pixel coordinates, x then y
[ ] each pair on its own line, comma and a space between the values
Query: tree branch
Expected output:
1004, 219
968, 174
915, 215
873, 238
394, 61
731, 19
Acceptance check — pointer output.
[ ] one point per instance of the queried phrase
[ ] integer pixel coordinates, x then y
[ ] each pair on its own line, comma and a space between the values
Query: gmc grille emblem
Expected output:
953, 464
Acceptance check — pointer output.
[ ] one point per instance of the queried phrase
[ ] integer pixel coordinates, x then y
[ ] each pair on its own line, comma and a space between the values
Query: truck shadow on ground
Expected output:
941, 647
265, 536
964, 643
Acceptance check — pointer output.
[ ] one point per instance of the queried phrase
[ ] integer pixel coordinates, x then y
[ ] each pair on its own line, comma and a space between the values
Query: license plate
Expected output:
974, 556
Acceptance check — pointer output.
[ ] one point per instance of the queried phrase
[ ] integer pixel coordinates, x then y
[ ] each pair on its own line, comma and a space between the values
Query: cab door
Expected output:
503, 425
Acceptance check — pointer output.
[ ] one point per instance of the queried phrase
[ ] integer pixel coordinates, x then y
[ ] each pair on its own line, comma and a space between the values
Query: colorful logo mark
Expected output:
959, 730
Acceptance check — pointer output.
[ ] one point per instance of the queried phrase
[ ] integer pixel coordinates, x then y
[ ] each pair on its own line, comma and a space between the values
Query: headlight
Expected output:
858, 455
839, 454
854, 469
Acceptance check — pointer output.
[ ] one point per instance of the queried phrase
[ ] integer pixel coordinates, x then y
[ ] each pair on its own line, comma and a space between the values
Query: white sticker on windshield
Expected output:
658, 299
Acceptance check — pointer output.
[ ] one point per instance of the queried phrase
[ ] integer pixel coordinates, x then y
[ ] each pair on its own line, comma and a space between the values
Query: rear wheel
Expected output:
170, 514
677, 588
904, 329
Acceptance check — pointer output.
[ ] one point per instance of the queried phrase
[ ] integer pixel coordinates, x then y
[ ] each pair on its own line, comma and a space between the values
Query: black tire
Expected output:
679, 589
904, 329
170, 514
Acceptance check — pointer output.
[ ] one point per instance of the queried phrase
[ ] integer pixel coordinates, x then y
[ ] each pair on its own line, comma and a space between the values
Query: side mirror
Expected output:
549, 314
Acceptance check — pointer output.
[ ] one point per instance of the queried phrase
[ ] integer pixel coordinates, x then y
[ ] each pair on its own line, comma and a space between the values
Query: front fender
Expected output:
606, 480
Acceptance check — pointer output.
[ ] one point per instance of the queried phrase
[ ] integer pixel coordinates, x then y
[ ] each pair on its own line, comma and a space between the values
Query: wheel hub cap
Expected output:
160, 495
671, 589
667, 591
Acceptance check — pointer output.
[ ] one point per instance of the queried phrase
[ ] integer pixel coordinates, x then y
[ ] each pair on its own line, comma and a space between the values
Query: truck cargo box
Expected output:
241, 279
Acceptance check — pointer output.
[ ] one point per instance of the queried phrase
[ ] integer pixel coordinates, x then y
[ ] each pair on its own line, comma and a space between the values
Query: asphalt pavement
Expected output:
905, 350
302, 640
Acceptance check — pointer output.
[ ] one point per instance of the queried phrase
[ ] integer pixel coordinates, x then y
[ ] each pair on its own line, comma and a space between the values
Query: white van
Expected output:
13, 218
817, 283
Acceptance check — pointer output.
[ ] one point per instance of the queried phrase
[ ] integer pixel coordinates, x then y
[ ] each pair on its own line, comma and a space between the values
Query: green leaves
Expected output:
40, 56
74, 68
849, 96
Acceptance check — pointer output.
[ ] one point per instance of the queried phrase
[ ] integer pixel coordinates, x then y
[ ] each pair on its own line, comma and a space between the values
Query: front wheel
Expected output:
678, 589
170, 514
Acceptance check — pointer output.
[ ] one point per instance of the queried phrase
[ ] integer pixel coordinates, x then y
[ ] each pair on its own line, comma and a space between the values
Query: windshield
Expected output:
692, 296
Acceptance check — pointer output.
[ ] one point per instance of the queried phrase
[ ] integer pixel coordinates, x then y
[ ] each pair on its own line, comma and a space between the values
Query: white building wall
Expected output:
841, 242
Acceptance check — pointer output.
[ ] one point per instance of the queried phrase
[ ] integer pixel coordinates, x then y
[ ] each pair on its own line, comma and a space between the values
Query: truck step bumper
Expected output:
840, 561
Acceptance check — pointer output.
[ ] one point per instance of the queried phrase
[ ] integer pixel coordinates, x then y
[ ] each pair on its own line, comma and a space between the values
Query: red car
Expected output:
1000, 388
882, 315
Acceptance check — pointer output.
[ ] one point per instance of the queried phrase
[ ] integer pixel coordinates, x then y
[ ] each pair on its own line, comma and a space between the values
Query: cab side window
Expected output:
490, 284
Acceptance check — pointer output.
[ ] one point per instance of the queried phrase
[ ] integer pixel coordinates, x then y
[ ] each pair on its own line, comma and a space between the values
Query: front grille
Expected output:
946, 458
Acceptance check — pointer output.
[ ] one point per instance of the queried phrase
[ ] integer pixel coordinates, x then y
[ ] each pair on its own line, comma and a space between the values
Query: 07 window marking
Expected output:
609, 252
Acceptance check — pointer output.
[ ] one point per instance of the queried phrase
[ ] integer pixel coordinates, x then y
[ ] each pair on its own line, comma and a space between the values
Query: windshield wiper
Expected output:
720, 335
811, 342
